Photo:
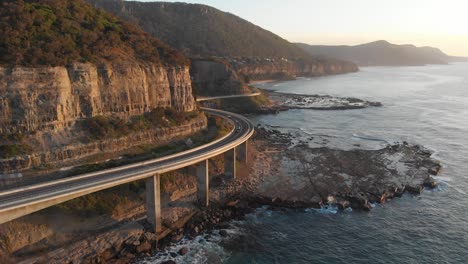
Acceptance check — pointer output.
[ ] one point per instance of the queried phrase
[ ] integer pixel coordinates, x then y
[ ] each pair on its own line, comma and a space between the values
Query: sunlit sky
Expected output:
437, 23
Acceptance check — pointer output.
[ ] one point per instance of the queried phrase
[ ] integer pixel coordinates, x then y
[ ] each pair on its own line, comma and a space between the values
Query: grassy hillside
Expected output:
200, 30
380, 53
58, 32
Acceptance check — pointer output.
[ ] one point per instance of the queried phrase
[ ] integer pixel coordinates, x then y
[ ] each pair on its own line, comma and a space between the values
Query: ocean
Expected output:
425, 105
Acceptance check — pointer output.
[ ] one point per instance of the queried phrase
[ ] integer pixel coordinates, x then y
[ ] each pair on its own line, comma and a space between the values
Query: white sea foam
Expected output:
202, 249
325, 209
370, 138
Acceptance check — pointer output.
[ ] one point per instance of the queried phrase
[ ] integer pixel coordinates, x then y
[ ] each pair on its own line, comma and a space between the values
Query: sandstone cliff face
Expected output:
33, 99
216, 78
283, 69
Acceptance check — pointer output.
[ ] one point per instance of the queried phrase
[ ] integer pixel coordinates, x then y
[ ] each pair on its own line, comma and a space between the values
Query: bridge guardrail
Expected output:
124, 167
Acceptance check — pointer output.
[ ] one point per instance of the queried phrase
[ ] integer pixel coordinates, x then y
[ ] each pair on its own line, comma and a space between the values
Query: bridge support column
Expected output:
203, 183
242, 152
230, 163
153, 202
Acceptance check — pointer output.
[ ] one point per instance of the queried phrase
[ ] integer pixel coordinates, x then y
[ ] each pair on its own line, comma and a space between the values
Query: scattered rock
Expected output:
320, 102
414, 189
183, 251
177, 237
232, 203
145, 246
223, 233
429, 182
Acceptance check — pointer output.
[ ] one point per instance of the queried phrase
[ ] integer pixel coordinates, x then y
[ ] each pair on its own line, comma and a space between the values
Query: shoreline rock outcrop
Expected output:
284, 69
319, 102
357, 178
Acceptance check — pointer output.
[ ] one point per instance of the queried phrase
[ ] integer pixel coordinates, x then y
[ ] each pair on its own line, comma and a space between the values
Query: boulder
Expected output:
223, 233
414, 189
183, 251
429, 182
145, 246
177, 237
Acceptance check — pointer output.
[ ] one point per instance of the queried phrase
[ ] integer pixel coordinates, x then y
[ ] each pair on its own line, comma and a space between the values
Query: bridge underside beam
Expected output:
230, 163
153, 202
203, 183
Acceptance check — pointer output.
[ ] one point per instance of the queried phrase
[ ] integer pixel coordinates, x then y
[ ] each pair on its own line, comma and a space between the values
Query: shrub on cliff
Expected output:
101, 127
58, 32
9, 151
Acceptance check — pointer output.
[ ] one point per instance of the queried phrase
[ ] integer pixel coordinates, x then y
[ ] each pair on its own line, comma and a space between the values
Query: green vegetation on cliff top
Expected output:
59, 32
200, 30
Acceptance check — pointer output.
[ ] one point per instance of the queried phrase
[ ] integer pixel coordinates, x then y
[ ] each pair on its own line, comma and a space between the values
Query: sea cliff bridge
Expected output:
22, 201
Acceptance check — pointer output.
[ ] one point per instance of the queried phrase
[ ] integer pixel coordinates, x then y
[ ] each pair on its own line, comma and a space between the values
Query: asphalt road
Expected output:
96, 181
202, 98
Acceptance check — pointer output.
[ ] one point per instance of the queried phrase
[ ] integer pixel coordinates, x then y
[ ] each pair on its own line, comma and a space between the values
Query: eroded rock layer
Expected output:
40, 98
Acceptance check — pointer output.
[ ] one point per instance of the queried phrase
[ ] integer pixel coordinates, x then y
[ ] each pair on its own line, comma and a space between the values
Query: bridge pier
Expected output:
203, 183
242, 152
153, 202
230, 163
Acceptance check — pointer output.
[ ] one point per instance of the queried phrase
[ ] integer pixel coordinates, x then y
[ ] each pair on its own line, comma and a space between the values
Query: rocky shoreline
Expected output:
402, 167
286, 173
319, 102
357, 178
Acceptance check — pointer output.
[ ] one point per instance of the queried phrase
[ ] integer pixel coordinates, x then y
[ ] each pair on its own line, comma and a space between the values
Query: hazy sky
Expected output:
438, 23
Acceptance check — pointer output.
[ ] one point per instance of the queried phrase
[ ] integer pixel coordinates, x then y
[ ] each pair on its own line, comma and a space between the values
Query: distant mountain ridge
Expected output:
380, 53
226, 51
202, 31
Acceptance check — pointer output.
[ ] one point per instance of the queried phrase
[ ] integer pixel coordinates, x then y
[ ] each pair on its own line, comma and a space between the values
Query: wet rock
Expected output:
183, 251
387, 195
169, 262
434, 170
227, 214
173, 254
359, 201
223, 233
429, 182
224, 225
342, 204
414, 189
399, 191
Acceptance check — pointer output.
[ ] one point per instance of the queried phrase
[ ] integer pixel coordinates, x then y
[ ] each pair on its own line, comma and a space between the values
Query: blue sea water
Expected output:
422, 105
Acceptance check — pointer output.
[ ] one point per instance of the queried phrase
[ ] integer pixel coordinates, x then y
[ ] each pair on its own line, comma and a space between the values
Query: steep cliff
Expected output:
63, 62
215, 77
289, 69
203, 33
55, 97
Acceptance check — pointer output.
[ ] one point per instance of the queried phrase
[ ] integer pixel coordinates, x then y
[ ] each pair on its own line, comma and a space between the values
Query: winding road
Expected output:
21, 201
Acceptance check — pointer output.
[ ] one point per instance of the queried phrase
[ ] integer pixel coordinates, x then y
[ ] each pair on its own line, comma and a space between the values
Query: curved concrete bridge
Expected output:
21, 201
